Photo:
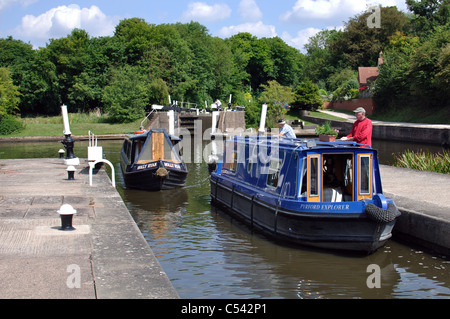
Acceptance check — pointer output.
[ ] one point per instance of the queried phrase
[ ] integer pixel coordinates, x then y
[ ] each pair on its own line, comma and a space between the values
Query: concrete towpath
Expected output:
423, 198
106, 257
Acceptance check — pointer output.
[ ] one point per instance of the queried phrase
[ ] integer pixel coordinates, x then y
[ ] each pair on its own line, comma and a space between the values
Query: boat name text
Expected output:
144, 166
325, 206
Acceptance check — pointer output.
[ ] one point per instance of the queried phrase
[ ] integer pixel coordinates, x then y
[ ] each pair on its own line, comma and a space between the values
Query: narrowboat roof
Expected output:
302, 144
135, 136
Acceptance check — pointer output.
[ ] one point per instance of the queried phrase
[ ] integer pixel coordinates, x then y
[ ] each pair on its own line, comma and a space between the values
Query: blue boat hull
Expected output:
330, 230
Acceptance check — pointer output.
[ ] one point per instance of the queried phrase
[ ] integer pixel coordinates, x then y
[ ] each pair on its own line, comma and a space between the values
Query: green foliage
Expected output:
320, 60
428, 14
9, 94
126, 96
158, 92
415, 73
336, 79
424, 161
253, 58
9, 124
277, 97
360, 45
348, 90
183, 60
326, 129
307, 96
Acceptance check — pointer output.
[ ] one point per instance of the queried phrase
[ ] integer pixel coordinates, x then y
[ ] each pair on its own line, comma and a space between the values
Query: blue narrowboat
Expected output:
150, 161
321, 194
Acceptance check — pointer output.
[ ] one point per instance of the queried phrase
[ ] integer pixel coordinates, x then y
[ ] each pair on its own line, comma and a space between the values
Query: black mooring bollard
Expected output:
66, 212
61, 153
68, 143
70, 172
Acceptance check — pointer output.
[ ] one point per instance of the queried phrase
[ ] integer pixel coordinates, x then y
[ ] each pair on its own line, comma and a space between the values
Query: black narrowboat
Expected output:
150, 161
321, 194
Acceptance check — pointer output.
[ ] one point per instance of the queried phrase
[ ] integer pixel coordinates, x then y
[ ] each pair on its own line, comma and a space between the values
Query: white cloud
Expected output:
302, 37
257, 29
202, 12
60, 21
305, 12
250, 11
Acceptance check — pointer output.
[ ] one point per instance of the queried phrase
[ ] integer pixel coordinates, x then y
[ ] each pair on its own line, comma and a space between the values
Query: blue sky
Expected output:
37, 21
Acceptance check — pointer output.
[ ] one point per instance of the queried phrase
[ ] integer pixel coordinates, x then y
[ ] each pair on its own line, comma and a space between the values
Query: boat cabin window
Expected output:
252, 159
127, 146
231, 158
157, 148
313, 179
274, 172
364, 175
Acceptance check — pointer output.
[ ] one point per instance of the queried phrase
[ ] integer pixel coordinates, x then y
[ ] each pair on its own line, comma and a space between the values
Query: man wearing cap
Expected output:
362, 129
286, 130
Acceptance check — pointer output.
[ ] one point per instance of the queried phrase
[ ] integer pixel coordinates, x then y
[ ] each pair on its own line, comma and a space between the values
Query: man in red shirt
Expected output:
361, 130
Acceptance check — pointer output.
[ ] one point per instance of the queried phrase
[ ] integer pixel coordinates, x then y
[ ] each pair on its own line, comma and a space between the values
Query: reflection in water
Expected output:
206, 254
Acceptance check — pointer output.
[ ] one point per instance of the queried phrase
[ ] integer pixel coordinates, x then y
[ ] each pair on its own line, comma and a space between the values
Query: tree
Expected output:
307, 96
428, 14
14, 52
360, 45
158, 92
288, 62
320, 60
346, 91
9, 94
38, 85
71, 57
425, 70
126, 96
443, 70
277, 98
393, 82
337, 79
251, 59
135, 36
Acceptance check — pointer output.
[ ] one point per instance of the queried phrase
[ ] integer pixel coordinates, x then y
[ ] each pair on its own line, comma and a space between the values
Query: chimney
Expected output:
380, 58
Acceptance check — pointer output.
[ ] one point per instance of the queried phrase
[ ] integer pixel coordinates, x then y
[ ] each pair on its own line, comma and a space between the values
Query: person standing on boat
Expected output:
286, 130
362, 129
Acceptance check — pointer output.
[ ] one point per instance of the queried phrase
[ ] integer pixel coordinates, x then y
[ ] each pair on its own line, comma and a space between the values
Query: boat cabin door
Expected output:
158, 146
331, 177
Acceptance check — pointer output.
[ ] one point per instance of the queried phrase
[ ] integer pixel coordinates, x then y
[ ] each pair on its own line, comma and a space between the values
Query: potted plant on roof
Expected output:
326, 132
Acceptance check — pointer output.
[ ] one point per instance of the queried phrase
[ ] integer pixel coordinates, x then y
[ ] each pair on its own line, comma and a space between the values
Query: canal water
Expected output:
206, 254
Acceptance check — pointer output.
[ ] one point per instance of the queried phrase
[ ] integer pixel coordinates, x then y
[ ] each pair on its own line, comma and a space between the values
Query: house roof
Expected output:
367, 75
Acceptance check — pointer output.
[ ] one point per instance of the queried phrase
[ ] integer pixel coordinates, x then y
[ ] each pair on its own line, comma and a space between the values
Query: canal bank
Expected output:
437, 134
423, 198
105, 257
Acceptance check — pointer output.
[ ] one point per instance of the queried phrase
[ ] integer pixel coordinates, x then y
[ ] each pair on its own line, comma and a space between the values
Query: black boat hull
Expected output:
149, 180
348, 232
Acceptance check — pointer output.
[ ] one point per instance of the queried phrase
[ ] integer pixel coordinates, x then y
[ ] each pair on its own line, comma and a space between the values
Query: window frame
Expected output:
361, 194
316, 197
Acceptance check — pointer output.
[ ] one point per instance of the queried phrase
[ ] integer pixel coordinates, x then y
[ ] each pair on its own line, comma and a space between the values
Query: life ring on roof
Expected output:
139, 132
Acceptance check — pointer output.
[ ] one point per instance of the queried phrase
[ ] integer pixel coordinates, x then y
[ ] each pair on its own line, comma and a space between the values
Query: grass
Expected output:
294, 115
406, 115
326, 115
80, 124
424, 161
415, 115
